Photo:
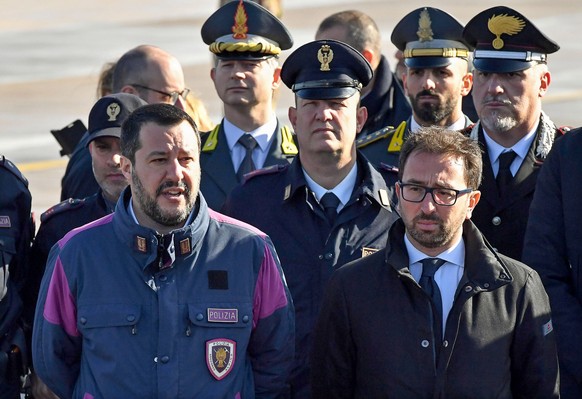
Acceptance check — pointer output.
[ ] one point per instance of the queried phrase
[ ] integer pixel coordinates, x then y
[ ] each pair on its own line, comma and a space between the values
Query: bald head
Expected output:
144, 68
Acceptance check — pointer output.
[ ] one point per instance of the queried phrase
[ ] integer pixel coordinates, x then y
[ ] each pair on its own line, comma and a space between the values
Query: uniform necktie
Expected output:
247, 165
330, 201
504, 176
427, 283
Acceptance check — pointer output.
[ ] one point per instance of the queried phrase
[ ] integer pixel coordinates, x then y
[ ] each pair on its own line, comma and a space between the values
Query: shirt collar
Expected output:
521, 148
343, 190
454, 255
262, 134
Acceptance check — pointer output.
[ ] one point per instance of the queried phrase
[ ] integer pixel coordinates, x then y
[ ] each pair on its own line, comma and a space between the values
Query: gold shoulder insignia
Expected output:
211, 141
287, 142
375, 136
397, 138
504, 24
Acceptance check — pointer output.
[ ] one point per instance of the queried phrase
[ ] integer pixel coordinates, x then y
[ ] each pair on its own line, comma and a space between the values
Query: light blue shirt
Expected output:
263, 135
447, 276
521, 148
343, 190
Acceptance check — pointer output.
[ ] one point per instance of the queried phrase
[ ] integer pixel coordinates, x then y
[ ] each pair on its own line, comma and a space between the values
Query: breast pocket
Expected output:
108, 324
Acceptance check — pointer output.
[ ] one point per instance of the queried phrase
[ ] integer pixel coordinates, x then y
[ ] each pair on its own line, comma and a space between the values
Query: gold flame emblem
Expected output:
504, 24
424, 32
240, 28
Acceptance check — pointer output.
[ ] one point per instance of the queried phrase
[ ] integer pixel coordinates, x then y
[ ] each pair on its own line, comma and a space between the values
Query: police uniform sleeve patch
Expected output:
61, 207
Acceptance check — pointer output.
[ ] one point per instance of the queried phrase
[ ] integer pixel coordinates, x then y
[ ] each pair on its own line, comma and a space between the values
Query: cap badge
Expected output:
504, 24
113, 110
240, 28
424, 27
325, 56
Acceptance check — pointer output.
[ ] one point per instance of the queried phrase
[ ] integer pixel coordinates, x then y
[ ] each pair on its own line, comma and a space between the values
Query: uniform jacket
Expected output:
278, 201
553, 247
386, 103
111, 323
218, 173
16, 233
55, 223
374, 337
383, 147
503, 222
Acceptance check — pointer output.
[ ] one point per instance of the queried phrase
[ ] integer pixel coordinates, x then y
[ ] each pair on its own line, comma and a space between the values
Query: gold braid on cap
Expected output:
264, 48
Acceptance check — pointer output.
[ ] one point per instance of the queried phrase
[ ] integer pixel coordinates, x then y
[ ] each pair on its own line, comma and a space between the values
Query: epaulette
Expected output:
9, 166
61, 207
395, 143
388, 168
269, 170
288, 146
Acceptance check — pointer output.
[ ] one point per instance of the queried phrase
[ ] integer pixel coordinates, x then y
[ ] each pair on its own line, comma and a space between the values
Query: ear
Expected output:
292, 114
474, 198
126, 168
404, 82
213, 74
129, 90
467, 84
276, 78
368, 55
361, 118
546, 79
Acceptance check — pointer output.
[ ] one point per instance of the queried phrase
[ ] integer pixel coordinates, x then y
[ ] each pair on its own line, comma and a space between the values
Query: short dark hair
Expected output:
160, 114
361, 30
439, 140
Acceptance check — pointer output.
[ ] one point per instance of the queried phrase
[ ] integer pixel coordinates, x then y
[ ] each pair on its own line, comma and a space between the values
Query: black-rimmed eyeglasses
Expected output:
172, 96
440, 196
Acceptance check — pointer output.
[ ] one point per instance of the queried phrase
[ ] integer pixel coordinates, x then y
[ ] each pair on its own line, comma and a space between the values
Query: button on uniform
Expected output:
496, 221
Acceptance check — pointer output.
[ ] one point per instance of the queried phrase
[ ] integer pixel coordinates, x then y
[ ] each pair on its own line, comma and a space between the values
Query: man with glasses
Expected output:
147, 72
246, 41
438, 313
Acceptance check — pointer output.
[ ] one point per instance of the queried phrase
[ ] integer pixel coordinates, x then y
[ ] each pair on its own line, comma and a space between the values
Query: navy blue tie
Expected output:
247, 165
330, 201
427, 283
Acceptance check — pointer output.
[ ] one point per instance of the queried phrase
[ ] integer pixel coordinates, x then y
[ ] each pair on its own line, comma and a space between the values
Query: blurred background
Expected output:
52, 51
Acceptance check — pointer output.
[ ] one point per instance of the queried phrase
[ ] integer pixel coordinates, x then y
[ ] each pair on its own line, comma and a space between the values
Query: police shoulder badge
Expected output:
220, 357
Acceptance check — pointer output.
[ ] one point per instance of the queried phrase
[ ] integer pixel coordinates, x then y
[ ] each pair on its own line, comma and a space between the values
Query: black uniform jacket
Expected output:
218, 174
374, 337
279, 202
503, 221
553, 247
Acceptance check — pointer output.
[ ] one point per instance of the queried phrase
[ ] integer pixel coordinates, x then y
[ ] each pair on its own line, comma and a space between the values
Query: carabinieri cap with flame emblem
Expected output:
245, 30
506, 41
430, 38
325, 69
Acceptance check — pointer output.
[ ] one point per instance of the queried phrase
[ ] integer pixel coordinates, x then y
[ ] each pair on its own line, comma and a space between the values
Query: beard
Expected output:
155, 212
501, 120
432, 113
433, 239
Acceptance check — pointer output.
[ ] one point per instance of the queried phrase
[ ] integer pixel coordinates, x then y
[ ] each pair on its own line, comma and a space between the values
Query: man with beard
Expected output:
164, 297
436, 80
246, 41
510, 79
438, 313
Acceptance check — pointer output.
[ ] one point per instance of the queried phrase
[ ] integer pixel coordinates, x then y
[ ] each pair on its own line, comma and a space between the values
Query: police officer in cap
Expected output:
330, 206
510, 79
246, 40
105, 121
436, 81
